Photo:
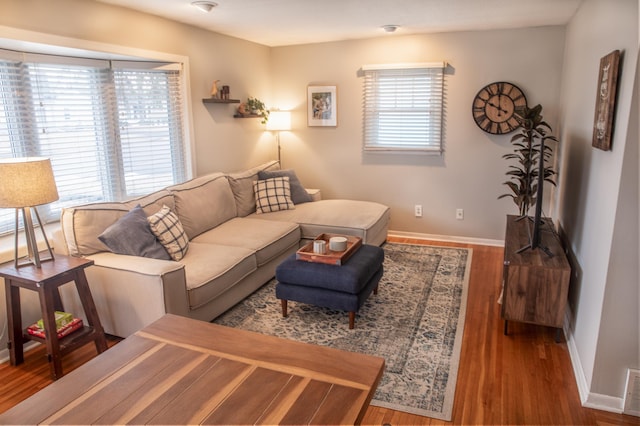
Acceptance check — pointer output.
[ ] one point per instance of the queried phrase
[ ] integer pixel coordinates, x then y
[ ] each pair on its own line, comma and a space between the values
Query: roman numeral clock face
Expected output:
495, 105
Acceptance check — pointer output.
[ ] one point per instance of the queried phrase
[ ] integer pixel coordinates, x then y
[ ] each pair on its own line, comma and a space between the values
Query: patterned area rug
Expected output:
415, 322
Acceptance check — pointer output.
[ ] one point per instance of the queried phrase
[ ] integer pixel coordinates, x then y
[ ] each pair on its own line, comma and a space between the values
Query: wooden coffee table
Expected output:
183, 371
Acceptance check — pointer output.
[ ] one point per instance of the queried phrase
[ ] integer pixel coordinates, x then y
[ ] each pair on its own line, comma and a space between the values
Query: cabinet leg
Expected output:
506, 327
558, 335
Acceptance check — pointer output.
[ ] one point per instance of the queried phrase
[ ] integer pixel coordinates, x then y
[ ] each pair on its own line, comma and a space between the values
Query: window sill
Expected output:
7, 242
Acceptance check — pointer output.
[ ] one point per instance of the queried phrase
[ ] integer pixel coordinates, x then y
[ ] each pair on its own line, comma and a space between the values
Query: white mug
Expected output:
319, 246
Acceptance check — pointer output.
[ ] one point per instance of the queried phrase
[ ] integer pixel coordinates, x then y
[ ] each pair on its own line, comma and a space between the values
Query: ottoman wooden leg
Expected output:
352, 320
284, 308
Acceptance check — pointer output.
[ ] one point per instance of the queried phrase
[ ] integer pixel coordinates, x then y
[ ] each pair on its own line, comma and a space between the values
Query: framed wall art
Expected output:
606, 101
322, 106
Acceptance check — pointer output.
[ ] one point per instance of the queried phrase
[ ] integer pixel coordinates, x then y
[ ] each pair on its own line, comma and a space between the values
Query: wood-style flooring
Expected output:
522, 378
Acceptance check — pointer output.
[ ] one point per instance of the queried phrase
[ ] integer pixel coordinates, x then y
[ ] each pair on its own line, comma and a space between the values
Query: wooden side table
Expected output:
46, 280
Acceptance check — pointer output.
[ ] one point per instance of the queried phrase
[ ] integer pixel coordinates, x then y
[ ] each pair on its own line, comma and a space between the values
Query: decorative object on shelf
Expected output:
253, 107
606, 101
322, 106
214, 89
496, 105
225, 92
279, 121
25, 183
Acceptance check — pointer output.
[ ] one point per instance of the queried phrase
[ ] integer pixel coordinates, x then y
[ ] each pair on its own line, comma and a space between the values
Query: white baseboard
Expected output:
447, 238
587, 398
4, 353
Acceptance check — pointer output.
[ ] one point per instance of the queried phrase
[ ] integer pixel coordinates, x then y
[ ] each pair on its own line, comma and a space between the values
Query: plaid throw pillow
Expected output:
273, 195
166, 226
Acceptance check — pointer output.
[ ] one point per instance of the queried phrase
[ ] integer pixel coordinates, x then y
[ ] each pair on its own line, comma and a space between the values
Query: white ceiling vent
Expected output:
632, 393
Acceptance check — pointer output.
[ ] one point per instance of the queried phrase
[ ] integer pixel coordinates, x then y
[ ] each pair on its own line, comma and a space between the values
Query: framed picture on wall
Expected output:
322, 106
606, 101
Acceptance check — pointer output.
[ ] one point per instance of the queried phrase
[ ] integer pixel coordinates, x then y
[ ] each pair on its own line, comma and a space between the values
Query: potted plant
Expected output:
523, 177
256, 107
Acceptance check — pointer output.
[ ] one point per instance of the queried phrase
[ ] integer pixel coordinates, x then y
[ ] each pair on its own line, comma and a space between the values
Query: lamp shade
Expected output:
279, 120
26, 182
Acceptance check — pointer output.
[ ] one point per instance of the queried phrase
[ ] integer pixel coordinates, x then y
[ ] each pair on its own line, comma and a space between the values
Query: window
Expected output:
403, 107
113, 130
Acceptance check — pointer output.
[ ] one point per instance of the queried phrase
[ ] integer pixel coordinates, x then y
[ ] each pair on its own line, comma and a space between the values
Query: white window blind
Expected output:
111, 133
403, 107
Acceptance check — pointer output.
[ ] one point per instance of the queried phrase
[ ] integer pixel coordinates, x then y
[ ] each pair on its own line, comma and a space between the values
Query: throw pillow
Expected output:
299, 195
167, 227
132, 235
273, 195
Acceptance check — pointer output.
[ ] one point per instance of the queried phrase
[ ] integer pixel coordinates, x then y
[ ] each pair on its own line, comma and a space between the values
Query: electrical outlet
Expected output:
418, 210
460, 214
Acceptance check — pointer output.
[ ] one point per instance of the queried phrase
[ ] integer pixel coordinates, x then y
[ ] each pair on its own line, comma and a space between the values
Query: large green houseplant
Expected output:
523, 176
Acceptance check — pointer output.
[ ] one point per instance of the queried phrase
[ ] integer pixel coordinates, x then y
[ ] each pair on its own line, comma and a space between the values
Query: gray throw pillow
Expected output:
131, 234
299, 195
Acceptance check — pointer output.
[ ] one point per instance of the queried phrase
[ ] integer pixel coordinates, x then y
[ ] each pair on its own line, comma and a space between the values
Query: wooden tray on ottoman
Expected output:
331, 257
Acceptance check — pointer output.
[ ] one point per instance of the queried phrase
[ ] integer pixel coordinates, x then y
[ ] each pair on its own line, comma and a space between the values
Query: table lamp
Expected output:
278, 121
25, 183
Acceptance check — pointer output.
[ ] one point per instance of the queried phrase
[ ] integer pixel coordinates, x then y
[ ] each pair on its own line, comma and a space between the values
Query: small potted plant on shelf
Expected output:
254, 106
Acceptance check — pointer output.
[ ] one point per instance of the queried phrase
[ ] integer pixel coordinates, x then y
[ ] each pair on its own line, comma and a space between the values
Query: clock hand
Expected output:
498, 107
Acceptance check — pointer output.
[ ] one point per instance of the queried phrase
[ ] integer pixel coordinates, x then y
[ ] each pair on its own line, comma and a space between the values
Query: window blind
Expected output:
403, 108
111, 133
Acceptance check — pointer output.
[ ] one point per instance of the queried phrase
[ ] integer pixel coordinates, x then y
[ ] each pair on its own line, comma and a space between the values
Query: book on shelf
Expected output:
62, 319
65, 330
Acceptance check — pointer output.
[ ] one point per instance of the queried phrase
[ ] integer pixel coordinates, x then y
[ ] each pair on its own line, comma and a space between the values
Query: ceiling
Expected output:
289, 22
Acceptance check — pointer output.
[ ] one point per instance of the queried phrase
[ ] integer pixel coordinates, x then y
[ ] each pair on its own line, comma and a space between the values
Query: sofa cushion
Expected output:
242, 187
273, 195
167, 227
299, 194
364, 219
267, 238
211, 269
131, 235
203, 203
82, 225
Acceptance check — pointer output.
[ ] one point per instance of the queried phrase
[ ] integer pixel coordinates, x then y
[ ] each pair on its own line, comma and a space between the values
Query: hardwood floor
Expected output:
522, 378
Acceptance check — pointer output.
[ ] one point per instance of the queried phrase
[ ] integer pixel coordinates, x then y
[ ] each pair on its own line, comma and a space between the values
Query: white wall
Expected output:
598, 210
471, 172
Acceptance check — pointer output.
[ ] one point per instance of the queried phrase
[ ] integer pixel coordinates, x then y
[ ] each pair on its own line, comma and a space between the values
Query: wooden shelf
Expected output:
247, 116
220, 101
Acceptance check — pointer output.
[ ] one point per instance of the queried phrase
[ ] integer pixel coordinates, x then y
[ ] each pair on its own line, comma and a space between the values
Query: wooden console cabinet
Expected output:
535, 285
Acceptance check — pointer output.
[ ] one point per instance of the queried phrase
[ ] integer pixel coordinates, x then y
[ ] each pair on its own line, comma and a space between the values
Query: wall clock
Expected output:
495, 107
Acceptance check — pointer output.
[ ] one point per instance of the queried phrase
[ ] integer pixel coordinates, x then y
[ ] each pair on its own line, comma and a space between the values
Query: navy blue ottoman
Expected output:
343, 287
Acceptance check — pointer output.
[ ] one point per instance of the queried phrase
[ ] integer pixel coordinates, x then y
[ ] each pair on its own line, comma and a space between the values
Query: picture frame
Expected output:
322, 106
606, 101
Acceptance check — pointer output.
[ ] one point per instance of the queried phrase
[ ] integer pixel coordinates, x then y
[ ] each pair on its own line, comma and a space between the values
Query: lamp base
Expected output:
33, 255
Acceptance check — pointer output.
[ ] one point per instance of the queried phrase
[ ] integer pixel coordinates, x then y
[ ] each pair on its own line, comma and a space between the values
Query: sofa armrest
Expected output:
316, 194
130, 292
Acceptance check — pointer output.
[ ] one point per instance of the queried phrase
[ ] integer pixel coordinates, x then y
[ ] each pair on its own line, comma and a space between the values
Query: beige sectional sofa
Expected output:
232, 249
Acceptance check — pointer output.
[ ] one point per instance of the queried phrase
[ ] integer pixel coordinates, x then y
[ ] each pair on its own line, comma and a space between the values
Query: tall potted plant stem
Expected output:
523, 176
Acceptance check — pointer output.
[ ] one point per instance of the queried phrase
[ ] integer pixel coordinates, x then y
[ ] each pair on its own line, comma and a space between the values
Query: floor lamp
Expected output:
26, 183
278, 121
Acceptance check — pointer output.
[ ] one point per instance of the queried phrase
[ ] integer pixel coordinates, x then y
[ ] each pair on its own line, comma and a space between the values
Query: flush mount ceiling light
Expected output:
390, 28
205, 6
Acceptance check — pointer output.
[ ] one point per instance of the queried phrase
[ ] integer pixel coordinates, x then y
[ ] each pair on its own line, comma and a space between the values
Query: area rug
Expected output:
415, 323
